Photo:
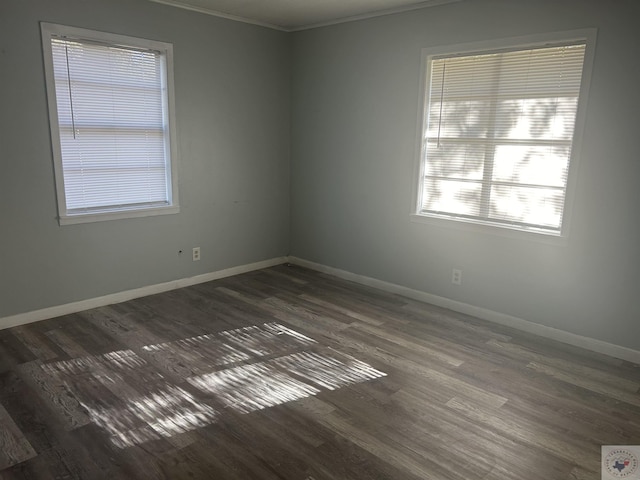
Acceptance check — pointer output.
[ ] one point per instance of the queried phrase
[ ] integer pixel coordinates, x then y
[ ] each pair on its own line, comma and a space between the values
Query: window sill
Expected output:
489, 229
101, 217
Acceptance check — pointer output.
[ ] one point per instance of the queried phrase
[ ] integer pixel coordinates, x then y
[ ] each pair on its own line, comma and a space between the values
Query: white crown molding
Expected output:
587, 343
337, 21
377, 13
215, 13
119, 297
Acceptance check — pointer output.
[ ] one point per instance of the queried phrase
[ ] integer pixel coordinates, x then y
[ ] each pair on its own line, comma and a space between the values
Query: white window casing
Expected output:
500, 131
112, 124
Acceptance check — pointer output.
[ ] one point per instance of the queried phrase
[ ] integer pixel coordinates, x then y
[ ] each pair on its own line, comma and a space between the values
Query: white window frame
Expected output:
50, 31
513, 43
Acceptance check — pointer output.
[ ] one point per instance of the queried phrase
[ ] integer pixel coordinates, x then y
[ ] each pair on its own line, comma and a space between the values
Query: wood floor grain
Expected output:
286, 373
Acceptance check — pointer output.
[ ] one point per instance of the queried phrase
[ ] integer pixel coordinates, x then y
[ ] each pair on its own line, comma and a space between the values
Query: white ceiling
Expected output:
291, 15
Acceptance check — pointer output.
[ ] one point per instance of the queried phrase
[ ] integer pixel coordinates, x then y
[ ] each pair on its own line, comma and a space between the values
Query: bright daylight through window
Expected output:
498, 135
110, 102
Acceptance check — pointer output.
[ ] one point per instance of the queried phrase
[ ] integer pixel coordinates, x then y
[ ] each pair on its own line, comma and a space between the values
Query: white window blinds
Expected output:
112, 121
498, 136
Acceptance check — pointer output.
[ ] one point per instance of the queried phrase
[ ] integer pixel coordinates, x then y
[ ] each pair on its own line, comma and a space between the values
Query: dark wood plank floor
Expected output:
286, 373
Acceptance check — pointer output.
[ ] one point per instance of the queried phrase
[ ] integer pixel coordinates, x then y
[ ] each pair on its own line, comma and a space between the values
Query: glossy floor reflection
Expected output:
245, 369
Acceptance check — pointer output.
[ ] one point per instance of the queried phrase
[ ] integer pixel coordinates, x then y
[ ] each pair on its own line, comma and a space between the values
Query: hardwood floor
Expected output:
286, 373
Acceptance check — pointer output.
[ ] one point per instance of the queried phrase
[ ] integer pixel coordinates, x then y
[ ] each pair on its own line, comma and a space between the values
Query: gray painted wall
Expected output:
348, 113
232, 106
355, 108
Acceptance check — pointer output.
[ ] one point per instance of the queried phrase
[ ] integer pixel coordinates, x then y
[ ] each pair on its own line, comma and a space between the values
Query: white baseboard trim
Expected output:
592, 344
119, 297
588, 343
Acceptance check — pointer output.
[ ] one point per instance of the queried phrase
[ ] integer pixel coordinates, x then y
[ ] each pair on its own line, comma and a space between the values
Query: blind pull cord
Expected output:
73, 122
444, 68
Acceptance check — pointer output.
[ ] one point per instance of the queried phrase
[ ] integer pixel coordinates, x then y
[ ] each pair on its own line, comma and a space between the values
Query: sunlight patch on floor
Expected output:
244, 369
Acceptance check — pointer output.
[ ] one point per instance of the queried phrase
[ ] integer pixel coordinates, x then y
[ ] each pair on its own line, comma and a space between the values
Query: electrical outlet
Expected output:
456, 276
196, 254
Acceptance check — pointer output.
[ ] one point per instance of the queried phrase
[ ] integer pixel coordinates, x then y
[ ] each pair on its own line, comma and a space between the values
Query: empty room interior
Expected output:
313, 240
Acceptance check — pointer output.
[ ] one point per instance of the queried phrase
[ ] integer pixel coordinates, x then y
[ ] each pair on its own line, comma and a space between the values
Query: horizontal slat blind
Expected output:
113, 128
498, 135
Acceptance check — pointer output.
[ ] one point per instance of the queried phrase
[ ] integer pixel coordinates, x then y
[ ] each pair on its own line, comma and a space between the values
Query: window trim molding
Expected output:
50, 30
588, 35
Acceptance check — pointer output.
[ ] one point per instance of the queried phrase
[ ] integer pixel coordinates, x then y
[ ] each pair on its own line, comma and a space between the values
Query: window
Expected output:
110, 108
498, 135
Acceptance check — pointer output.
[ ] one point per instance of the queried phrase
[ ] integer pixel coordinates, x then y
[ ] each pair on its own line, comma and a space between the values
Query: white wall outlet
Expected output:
456, 276
196, 254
